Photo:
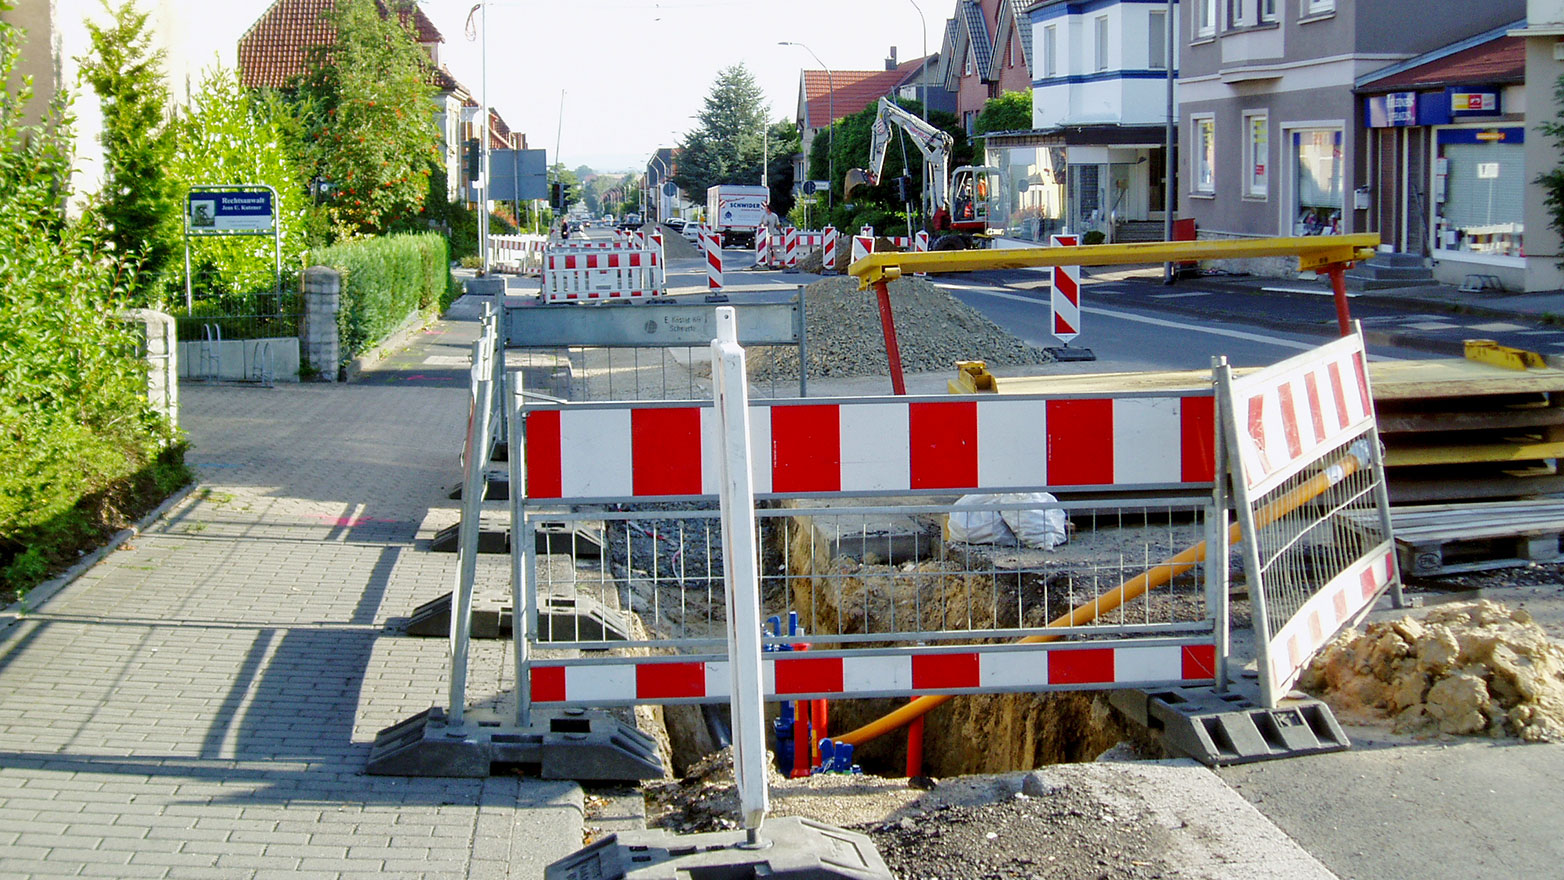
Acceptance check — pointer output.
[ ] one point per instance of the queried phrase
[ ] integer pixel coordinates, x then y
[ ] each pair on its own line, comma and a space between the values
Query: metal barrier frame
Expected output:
536, 435
1297, 414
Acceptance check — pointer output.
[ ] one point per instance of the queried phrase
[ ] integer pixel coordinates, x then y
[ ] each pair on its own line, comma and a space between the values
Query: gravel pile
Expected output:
933, 329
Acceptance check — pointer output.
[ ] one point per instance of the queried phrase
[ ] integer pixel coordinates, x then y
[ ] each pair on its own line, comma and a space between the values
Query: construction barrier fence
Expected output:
1307, 473
519, 254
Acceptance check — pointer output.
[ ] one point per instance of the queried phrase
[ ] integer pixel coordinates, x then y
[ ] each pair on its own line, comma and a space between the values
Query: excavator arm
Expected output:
935, 145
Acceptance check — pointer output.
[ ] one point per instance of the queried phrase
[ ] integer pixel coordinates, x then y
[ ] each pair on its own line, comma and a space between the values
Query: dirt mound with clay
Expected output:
934, 330
1473, 668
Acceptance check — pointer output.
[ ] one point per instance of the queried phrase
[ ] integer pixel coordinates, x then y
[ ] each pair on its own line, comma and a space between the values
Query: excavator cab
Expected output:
976, 204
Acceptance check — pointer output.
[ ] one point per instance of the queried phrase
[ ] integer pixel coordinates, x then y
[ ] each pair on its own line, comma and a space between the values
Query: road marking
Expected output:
1179, 295
1432, 325
1498, 327
447, 360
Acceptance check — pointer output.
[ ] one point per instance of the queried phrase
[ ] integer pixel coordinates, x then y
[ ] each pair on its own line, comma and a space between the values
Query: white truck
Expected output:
734, 211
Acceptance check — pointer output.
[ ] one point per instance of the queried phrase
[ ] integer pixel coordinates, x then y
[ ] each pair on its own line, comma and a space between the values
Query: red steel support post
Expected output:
888, 326
915, 748
1338, 284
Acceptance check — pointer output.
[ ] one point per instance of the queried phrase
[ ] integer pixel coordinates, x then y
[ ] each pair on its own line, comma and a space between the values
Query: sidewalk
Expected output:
201, 702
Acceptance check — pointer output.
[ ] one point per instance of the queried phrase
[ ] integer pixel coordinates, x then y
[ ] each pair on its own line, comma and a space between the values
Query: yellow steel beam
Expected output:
1312, 251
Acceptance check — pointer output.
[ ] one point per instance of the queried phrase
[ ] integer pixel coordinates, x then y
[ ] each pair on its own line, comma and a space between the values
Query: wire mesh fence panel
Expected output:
872, 584
583, 374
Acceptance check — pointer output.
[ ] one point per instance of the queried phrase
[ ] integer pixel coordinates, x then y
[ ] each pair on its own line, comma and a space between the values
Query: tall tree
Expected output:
369, 124
139, 207
784, 142
728, 144
1011, 111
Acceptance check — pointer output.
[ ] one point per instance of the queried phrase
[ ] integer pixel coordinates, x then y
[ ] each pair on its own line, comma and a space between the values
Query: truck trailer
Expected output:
734, 211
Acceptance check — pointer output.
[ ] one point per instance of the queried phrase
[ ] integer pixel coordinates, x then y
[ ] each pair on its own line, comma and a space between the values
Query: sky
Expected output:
633, 72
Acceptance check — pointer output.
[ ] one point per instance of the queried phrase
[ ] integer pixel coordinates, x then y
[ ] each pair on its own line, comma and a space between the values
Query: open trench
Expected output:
927, 584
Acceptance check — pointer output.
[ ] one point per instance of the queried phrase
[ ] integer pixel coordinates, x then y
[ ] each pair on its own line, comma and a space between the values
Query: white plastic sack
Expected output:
980, 522
1043, 528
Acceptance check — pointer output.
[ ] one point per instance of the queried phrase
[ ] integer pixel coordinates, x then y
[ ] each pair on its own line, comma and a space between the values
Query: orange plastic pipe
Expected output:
1125, 592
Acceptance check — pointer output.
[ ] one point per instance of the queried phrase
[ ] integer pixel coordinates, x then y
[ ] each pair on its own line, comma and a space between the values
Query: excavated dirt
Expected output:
934, 331
1473, 668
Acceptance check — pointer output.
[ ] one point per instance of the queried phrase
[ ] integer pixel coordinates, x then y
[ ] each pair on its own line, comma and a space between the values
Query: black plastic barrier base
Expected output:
560, 619
570, 744
790, 849
1232, 728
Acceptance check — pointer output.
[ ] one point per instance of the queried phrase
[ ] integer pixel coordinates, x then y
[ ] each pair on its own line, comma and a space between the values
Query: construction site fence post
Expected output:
474, 460
1217, 544
516, 470
741, 572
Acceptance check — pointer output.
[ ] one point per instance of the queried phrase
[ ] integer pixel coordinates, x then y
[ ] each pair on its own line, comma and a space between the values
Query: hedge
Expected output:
385, 280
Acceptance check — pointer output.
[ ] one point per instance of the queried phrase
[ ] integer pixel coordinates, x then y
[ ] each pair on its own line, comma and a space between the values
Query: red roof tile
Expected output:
1497, 61
855, 90
275, 49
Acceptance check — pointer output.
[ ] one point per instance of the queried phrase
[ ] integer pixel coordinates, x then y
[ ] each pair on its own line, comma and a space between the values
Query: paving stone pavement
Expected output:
201, 703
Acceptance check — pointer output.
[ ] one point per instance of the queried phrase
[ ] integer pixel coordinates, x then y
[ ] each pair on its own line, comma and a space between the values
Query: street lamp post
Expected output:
830, 81
925, 77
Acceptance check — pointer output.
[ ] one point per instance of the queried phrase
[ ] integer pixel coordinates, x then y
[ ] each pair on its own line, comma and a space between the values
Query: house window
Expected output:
1257, 151
1318, 7
1010, 54
1205, 23
1237, 13
1157, 41
1204, 178
1050, 51
1317, 187
1102, 42
1267, 10
968, 70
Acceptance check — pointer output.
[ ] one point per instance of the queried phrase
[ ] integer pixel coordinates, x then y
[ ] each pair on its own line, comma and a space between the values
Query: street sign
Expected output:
670, 189
517, 175
230, 212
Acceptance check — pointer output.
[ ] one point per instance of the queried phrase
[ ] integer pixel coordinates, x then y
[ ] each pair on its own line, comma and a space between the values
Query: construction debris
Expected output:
1474, 668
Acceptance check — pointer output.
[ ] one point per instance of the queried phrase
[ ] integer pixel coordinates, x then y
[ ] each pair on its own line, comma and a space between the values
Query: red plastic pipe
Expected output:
801, 739
892, 350
915, 747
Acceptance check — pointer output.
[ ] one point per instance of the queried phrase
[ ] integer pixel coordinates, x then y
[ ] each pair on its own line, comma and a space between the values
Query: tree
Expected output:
138, 208
231, 136
1552, 181
728, 145
784, 142
1011, 111
365, 102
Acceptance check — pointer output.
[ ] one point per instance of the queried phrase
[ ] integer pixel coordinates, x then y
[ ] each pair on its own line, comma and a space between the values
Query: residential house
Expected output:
988, 45
1544, 36
275, 50
193, 35
1274, 140
1095, 158
825, 96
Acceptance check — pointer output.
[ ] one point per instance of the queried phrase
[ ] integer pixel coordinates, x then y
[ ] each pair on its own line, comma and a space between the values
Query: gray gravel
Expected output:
933, 329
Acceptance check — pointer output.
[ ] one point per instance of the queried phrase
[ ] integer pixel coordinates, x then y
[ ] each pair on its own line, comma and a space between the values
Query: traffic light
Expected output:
904, 189
470, 158
556, 198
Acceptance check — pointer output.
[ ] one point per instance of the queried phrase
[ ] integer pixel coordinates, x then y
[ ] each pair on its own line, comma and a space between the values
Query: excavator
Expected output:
967, 205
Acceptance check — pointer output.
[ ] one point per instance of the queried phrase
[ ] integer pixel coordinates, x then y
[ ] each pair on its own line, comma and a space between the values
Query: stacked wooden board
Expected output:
1453, 428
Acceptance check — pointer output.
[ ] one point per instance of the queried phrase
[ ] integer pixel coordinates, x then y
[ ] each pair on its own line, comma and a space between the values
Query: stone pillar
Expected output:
322, 343
156, 338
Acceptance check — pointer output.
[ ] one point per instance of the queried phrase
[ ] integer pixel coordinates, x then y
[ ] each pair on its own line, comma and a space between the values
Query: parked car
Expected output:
692, 231
674, 223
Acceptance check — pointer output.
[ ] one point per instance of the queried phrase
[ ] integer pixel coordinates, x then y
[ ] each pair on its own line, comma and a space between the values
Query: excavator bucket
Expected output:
855, 178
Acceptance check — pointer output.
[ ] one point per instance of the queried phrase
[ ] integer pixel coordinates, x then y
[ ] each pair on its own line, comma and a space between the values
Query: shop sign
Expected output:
1393, 110
1470, 101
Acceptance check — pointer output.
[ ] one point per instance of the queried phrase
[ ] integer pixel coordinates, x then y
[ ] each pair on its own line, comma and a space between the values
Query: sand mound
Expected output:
1468, 668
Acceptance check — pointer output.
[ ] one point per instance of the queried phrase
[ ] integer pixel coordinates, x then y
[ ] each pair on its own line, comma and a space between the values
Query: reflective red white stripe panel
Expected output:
1292, 413
1325, 613
1066, 297
876, 445
808, 674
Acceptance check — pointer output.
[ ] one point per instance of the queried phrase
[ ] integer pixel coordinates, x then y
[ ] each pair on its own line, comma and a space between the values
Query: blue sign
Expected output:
517, 175
224, 212
1393, 110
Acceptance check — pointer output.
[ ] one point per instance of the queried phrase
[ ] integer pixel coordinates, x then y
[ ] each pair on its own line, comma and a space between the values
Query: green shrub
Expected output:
81, 451
384, 281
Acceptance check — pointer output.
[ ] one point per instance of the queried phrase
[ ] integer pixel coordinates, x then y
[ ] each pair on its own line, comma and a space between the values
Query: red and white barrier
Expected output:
921, 245
713, 245
602, 275
1065, 299
900, 446
790, 248
522, 254
828, 248
1313, 406
937, 671
762, 246
863, 246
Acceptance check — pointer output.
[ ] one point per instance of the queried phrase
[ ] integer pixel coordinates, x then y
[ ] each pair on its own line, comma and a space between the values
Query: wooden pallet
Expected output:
1438, 539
